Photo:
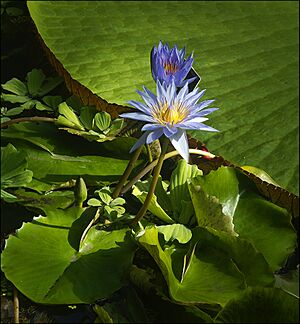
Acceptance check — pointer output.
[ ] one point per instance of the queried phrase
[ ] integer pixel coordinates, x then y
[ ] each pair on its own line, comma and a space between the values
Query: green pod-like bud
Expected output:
80, 192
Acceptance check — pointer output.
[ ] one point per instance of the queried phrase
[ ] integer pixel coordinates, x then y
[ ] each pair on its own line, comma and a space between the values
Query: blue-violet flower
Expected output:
169, 65
170, 114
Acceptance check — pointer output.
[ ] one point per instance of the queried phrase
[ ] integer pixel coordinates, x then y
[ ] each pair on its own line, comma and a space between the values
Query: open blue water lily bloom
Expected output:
170, 114
169, 65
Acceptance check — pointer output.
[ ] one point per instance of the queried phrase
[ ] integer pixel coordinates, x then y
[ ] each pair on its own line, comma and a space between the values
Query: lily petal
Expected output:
138, 116
180, 142
139, 142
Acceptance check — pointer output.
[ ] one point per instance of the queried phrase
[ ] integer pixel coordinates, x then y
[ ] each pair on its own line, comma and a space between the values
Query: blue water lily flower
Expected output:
170, 114
169, 65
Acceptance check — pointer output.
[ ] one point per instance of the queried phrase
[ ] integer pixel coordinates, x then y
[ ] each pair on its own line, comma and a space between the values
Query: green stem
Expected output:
156, 174
154, 163
127, 172
149, 153
28, 119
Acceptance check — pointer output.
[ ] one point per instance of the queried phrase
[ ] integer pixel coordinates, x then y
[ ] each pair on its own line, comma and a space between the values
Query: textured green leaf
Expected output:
13, 168
267, 226
228, 202
15, 86
175, 232
140, 190
179, 192
42, 264
261, 305
215, 197
246, 55
35, 79
69, 114
209, 277
14, 98
102, 120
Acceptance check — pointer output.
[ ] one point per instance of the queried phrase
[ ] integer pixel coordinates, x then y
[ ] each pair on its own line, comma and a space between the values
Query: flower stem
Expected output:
154, 163
157, 169
127, 172
27, 119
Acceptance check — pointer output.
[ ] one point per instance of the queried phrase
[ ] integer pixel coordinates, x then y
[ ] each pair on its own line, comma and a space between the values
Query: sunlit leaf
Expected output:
247, 57
42, 264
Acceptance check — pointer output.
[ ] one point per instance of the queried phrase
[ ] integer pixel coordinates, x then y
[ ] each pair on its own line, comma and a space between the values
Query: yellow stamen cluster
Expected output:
166, 113
170, 68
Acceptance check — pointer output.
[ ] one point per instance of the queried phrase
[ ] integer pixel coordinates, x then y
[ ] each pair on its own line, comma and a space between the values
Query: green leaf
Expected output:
140, 190
75, 277
41, 106
246, 58
14, 98
102, 120
248, 260
105, 195
261, 174
66, 111
13, 168
116, 126
6, 196
227, 202
45, 201
52, 101
179, 193
94, 202
118, 201
261, 305
35, 79
15, 86
267, 226
49, 84
220, 279
86, 116
14, 111
215, 197
175, 232
66, 157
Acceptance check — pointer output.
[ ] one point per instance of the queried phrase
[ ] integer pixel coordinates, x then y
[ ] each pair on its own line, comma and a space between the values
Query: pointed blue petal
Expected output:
154, 135
151, 127
138, 116
180, 142
170, 130
140, 106
139, 142
206, 112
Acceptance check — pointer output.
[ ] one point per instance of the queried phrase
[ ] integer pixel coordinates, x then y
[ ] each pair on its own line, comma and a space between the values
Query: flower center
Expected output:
172, 114
170, 68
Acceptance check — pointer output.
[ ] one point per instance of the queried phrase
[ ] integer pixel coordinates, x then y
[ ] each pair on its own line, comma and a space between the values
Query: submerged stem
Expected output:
156, 174
127, 172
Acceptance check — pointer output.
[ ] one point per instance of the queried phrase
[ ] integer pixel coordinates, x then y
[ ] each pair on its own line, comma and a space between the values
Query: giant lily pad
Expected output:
245, 53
